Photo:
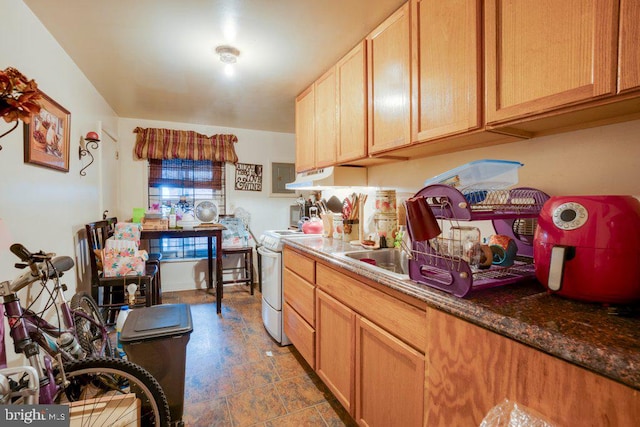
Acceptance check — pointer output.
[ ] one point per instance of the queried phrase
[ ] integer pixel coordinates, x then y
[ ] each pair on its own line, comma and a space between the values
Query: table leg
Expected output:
219, 287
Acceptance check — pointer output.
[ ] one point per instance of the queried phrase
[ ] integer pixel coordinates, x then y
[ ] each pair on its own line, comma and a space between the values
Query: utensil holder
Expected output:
351, 230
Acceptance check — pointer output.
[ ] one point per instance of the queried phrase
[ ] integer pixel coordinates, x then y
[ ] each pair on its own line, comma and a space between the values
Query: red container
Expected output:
588, 248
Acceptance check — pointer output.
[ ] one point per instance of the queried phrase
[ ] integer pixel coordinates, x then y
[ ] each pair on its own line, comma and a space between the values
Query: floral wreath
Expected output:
18, 97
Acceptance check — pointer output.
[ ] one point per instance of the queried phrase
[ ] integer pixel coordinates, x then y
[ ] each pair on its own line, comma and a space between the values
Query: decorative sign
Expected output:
248, 177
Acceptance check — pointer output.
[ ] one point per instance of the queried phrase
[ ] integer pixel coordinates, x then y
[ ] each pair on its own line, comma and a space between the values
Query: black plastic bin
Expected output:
156, 338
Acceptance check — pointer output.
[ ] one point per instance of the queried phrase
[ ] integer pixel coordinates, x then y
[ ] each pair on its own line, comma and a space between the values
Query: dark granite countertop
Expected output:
584, 334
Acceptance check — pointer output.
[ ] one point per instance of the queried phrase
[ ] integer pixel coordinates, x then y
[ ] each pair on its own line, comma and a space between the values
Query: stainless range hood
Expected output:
338, 176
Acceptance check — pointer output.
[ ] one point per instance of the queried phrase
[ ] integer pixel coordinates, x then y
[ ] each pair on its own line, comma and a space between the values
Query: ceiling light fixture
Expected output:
228, 54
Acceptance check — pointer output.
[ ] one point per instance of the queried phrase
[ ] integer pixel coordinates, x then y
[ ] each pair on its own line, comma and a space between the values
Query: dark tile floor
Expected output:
237, 375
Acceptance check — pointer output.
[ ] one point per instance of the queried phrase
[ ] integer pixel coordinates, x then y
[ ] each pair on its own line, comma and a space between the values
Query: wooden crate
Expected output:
114, 411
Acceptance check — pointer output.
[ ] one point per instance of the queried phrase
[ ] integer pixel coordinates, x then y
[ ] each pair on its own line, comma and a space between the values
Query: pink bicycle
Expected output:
75, 366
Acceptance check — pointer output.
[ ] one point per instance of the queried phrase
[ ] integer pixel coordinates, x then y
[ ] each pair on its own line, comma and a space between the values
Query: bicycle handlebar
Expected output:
38, 268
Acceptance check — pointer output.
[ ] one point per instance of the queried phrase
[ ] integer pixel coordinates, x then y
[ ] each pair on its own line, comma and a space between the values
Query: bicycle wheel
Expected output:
108, 381
90, 334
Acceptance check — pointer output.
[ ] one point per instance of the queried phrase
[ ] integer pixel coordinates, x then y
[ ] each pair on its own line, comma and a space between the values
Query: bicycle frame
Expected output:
28, 331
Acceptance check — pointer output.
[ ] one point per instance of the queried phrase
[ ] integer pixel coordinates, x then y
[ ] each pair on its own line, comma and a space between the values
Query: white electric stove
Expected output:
271, 270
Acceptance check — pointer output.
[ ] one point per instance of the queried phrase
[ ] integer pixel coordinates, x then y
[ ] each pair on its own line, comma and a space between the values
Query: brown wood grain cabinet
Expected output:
392, 360
335, 348
326, 117
389, 378
299, 303
305, 130
547, 54
447, 67
351, 73
629, 46
363, 352
389, 71
471, 369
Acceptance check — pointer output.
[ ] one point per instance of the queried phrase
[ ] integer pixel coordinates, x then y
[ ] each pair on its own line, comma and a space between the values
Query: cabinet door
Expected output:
326, 117
352, 105
389, 379
447, 73
470, 370
629, 50
335, 347
545, 54
389, 68
305, 130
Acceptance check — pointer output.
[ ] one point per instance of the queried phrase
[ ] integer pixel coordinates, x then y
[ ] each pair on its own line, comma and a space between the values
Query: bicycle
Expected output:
78, 322
65, 374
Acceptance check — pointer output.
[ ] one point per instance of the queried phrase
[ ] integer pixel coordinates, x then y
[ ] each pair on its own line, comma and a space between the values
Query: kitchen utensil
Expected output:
314, 224
421, 222
334, 204
503, 249
588, 248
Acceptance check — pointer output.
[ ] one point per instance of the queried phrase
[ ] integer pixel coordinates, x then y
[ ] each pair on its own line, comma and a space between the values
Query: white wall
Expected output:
598, 161
44, 208
256, 147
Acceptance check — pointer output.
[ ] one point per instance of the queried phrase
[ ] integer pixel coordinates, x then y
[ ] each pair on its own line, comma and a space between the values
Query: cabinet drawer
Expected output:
301, 334
300, 295
300, 264
403, 320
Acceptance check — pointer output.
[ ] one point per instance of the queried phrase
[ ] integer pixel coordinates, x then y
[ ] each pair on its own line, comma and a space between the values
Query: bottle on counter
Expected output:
122, 317
173, 223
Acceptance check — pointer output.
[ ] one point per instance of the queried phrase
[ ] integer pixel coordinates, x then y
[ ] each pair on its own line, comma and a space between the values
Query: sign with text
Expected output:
248, 177
34, 415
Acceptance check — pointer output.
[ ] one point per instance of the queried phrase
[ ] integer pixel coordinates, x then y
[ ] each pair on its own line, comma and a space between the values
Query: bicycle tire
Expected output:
90, 335
107, 378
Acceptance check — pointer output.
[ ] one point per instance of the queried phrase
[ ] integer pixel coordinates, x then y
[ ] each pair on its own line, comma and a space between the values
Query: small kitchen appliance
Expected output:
588, 248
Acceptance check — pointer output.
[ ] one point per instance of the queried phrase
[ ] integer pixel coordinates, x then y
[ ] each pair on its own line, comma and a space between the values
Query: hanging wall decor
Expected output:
47, 137
248, 177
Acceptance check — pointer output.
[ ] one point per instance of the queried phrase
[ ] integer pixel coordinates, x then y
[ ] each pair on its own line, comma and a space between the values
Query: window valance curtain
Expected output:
153, 143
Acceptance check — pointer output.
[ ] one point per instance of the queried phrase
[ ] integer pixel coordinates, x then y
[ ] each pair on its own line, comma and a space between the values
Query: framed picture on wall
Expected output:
47, 137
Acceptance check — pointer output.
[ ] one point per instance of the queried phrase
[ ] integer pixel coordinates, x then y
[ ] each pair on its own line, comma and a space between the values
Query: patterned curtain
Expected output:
165, 144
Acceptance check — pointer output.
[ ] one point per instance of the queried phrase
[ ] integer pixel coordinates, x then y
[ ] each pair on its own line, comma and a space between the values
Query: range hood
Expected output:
338, 176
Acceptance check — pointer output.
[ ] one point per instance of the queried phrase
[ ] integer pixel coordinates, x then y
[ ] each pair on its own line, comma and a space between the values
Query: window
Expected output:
180, 184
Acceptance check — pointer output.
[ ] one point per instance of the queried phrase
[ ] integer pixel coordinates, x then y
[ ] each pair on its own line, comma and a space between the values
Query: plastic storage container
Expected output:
480, 174
156, 338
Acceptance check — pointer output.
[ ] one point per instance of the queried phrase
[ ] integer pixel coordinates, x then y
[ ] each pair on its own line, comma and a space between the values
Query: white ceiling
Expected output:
154, 59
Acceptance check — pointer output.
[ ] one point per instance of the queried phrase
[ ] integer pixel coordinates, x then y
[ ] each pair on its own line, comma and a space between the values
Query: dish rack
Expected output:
513, 212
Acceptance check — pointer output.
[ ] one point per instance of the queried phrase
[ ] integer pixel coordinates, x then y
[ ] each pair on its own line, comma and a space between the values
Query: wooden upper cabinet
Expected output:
326, 117
389, 69
305, 130
447, 72
351, 73
629, 46
545, 54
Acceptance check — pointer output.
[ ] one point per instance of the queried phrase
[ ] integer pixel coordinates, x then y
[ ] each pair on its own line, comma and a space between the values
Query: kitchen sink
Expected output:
388, 260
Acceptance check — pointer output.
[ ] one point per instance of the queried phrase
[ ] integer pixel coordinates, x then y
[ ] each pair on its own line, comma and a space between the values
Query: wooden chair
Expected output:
109, 292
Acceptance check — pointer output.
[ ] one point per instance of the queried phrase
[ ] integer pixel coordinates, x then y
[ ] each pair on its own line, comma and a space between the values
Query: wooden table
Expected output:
208, 232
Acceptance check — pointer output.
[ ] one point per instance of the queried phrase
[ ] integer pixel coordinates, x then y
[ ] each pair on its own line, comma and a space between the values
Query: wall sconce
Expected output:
90, 142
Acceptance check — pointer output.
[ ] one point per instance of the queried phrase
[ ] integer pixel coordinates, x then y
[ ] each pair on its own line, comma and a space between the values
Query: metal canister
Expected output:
386, 201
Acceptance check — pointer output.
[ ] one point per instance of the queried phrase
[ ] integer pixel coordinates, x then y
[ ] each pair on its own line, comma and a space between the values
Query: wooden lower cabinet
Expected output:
471, 370
375, 376
389, 379
335, 347
300, 333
